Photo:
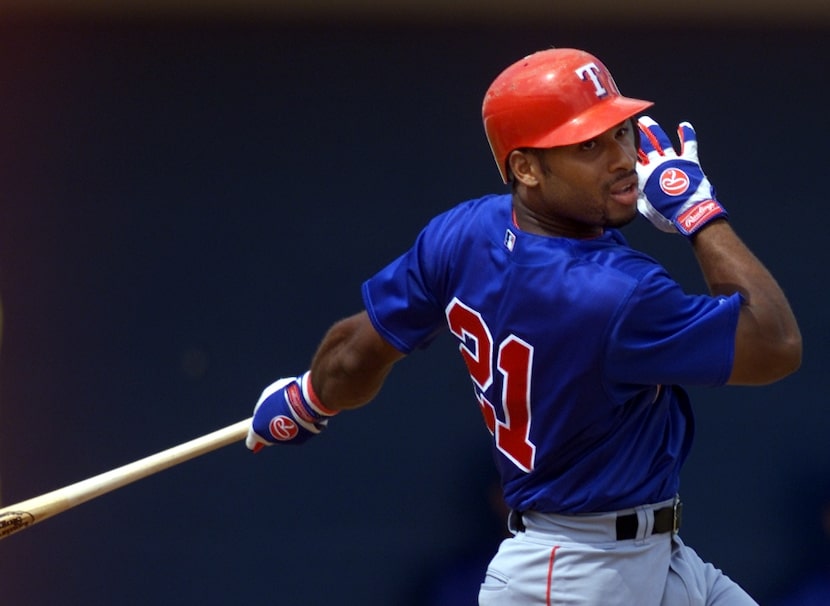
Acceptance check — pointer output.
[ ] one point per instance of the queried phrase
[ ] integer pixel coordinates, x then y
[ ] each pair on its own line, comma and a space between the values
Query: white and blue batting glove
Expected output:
675, 195
288, 412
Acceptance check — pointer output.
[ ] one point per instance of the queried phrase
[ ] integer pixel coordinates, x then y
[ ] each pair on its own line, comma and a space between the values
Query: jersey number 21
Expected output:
514, 360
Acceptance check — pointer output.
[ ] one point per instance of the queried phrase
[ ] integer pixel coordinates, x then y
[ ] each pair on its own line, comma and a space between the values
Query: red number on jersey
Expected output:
514, 362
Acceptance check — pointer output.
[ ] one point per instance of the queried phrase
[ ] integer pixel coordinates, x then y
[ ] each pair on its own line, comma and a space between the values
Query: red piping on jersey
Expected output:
550, 574
516, 224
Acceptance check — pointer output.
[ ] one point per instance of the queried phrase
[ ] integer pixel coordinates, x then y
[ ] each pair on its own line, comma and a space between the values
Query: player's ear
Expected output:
523, 165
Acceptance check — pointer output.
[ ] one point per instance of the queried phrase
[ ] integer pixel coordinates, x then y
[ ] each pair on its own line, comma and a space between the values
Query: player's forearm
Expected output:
351, 364
768, 340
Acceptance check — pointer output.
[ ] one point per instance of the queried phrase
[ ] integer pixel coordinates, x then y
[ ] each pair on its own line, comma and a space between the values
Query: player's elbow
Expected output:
785, 362
791, 354
767, 362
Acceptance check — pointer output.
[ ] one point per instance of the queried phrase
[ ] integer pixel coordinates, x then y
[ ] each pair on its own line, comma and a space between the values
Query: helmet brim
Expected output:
593, 122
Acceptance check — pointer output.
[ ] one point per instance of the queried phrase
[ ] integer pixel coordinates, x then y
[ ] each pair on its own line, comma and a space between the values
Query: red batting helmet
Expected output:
551, 98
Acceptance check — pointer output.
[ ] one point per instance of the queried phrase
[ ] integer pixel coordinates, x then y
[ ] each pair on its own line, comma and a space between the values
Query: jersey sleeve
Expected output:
665, 336
400, 299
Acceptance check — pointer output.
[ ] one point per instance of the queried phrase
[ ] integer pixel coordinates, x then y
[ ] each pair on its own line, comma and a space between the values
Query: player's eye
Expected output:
588, 145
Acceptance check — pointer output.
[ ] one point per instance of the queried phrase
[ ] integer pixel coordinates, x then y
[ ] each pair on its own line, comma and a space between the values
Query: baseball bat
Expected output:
24, 514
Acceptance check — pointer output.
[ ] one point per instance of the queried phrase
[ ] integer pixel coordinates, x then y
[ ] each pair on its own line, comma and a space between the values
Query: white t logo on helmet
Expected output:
589, 71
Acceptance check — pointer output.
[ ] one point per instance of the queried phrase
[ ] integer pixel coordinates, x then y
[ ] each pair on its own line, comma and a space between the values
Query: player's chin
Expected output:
620, 216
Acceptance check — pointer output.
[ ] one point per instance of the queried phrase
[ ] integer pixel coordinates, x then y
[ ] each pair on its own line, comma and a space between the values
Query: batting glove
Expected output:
288, 412
675, 195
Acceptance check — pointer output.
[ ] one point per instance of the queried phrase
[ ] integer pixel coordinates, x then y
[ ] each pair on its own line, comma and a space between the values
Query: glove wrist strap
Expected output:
312, 398
691, 219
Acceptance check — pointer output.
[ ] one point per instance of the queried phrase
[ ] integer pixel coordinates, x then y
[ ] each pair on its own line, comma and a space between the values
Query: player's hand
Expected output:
675, 195
286, 414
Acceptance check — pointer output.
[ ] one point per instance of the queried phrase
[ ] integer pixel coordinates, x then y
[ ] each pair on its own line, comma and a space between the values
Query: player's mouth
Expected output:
626, 190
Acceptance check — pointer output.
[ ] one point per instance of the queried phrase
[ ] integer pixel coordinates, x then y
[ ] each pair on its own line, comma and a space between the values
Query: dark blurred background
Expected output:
191, 194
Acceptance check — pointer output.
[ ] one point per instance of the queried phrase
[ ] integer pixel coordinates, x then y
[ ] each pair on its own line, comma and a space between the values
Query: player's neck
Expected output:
532, 223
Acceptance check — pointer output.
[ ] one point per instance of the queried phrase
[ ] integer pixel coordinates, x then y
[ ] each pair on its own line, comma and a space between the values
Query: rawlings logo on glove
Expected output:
675, 194
699, 215
674, 182
283, 429
288, 412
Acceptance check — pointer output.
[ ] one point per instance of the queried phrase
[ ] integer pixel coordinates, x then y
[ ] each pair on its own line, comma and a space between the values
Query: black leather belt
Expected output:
666, 519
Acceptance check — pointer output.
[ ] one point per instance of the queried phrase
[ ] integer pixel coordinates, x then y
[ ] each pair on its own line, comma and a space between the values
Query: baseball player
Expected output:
576, 344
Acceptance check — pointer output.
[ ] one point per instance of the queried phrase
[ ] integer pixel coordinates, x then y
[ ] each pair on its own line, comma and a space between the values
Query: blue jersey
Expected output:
576, 350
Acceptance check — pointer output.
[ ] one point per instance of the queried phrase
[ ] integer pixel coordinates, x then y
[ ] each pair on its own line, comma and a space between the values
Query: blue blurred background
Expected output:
188, 201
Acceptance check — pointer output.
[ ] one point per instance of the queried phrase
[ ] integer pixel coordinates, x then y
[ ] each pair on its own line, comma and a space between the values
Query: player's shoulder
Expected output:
613, 253
474, 217
495, 206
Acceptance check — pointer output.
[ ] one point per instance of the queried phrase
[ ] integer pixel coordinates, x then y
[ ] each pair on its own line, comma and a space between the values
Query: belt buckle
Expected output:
677, 514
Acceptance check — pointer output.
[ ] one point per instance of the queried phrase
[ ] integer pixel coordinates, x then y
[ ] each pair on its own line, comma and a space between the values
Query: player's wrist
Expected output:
708, 230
